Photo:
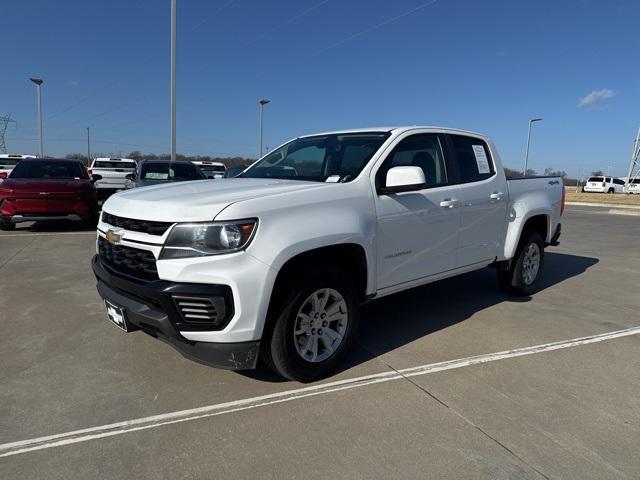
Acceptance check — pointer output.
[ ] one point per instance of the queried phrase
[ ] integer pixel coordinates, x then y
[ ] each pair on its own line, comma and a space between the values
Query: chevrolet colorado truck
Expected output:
273, 264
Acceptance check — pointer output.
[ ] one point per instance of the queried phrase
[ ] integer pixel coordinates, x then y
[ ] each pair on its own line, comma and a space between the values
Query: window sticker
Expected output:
333, 179
481, 159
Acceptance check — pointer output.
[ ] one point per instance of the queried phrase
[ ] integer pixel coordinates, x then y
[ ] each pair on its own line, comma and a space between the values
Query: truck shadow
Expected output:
397, 320
53, 226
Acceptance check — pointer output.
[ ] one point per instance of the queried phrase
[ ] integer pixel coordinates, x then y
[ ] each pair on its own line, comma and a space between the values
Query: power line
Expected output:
375, 27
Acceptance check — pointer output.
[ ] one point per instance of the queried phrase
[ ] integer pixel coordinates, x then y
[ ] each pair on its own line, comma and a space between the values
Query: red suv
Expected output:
47, 189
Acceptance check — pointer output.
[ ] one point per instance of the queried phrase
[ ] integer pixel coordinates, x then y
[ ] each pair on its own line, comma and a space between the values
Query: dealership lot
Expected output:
567, 412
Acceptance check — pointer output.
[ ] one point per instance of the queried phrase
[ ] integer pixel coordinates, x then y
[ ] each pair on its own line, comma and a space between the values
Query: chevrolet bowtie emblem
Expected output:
114, 236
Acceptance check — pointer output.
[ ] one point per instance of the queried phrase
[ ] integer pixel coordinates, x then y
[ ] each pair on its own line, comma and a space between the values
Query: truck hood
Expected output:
200, 200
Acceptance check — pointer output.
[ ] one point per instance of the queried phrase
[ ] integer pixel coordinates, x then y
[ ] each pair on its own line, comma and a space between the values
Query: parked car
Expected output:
155, 172
234, 171
210, 169
113, 172
633, 187
48, 189
273, 264
604, 185
9, 161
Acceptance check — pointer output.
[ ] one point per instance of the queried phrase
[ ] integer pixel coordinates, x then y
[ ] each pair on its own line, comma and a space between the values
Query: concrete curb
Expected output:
606, 205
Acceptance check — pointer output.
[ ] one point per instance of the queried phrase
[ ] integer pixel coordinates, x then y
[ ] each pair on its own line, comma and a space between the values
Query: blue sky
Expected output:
486, 66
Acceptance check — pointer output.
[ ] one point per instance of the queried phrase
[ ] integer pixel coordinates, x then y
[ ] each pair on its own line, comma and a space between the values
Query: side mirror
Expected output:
95, 177
3, 175
130, 176
403, 179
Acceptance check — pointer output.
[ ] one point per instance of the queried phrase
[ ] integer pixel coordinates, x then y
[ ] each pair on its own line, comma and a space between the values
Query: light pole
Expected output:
173, 80
526, 154
38, 82
88, 149
262, 102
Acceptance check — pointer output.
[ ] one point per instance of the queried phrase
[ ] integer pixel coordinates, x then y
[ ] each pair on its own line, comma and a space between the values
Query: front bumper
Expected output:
150, 307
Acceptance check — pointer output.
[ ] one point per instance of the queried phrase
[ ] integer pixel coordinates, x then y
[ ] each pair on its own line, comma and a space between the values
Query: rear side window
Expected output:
422, 150
617, 181
472, 158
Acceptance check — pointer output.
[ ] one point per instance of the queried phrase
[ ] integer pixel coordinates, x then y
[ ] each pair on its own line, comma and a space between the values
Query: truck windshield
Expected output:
54, 169
322, 158
161, 171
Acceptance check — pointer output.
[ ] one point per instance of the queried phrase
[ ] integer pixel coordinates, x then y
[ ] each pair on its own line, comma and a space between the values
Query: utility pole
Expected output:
4, 123
173, 80
88, 148
526, 154
38, 82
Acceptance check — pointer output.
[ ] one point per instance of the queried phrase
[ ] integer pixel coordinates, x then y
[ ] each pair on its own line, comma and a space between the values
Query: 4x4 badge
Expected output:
114, 237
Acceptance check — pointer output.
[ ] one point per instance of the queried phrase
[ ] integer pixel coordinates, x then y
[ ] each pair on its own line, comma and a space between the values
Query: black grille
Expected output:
144, 226
129, 261
200, 310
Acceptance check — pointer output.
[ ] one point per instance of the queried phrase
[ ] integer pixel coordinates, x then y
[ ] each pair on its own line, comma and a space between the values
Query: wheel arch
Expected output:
537, 221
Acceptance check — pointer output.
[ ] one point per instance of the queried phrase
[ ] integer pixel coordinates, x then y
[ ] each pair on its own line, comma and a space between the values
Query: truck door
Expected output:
483, 199
417, 232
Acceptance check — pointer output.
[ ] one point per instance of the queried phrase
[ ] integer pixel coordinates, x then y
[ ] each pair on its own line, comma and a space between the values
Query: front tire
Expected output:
314, 325
523, 276
6, 224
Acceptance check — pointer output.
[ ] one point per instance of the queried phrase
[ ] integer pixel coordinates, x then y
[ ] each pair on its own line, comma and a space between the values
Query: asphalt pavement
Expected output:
450, 380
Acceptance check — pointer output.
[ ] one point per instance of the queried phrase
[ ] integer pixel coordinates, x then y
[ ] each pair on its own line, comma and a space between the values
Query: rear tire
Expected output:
611, 190
313, 325
523, 276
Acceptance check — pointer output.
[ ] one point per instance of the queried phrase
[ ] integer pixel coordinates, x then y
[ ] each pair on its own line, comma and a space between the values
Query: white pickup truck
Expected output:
113, 172
274, 264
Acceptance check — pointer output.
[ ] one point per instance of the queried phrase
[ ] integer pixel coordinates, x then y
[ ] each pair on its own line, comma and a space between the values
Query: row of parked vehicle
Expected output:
36, 189
602, 184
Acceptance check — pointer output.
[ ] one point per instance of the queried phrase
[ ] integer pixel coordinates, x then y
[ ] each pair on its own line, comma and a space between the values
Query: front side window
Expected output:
472, 158
334, 158
421, 150
47, 169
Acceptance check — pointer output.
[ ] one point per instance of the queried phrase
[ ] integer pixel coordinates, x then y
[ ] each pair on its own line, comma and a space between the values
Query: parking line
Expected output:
119, 428
49, 234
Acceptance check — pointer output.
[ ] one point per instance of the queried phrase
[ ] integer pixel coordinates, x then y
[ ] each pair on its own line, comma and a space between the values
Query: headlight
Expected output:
212, 238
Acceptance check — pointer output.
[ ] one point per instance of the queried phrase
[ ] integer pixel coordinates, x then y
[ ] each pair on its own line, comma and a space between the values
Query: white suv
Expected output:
634, 186
604, 185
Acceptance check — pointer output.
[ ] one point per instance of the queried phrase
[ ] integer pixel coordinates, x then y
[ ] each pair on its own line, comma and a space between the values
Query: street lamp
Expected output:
173, 80
262, 102
38, 82
526, 155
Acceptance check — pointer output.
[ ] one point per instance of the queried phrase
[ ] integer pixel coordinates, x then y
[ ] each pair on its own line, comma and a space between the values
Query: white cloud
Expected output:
595, 96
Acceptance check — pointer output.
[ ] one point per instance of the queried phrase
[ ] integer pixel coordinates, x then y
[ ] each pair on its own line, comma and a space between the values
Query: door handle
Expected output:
496, 196
449, 203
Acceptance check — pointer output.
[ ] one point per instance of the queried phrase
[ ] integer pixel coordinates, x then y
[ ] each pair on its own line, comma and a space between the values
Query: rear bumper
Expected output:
150, 307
